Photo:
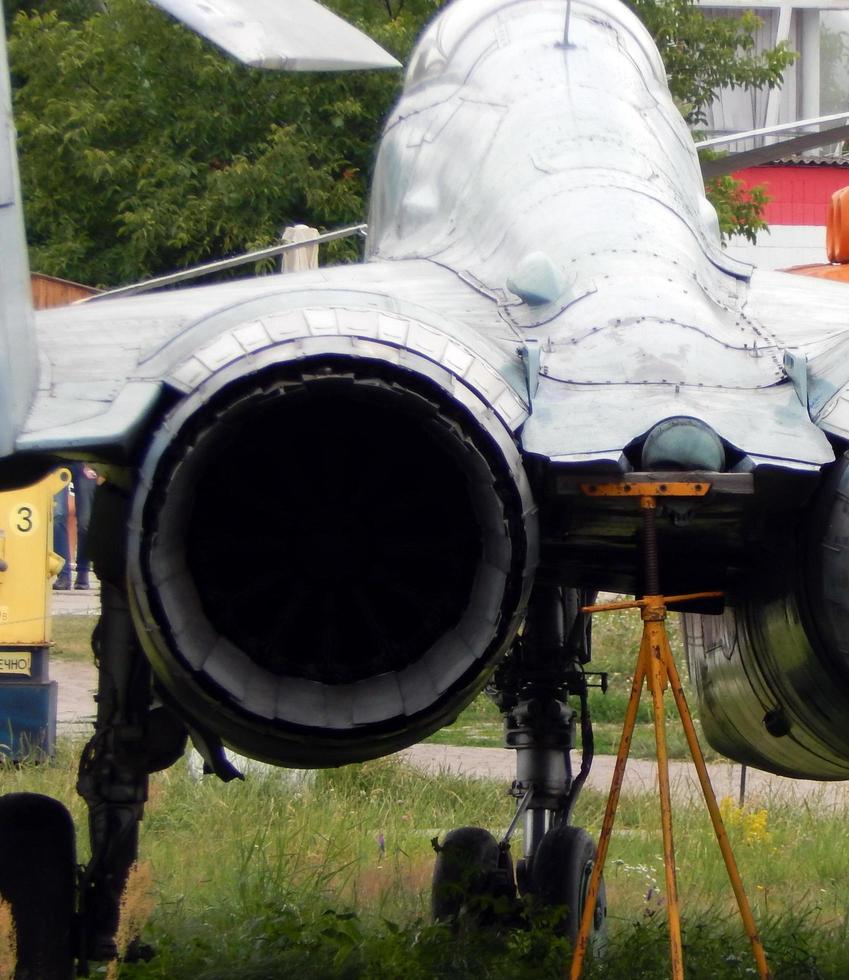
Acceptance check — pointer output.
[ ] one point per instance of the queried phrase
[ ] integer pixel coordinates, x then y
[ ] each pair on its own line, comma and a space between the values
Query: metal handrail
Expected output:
770, 130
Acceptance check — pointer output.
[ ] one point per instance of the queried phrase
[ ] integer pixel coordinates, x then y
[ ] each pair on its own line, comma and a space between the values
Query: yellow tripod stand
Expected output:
656, 667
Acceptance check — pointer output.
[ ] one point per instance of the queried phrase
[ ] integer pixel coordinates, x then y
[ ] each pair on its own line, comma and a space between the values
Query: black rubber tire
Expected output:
560, 874
471, 877
38, 872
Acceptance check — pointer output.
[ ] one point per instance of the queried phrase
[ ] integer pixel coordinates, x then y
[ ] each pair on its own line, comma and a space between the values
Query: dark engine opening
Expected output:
332, 535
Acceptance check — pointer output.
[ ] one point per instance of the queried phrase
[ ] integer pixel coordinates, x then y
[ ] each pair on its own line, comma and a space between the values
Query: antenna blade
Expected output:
286, 35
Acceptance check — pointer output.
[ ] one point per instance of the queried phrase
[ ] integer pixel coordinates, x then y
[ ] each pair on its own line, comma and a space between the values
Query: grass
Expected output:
72, 638
282, 874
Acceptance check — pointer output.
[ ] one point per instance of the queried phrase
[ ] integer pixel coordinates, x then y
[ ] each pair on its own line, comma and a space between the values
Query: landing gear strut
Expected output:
113, 776
133, 737
61, 916
531, 688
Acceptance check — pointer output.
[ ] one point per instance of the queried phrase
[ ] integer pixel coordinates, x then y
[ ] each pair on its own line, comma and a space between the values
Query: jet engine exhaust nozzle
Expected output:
327, 558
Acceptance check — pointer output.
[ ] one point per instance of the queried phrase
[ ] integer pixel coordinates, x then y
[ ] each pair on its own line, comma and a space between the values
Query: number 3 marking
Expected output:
25, 519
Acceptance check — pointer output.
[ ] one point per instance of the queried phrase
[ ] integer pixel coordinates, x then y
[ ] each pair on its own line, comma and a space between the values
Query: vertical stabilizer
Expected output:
18, 358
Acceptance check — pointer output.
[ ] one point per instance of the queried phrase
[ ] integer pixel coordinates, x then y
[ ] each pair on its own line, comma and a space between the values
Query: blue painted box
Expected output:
28, 719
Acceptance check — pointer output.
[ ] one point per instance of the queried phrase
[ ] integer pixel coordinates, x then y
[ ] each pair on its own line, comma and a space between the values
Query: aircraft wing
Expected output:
583, 395
105, 365
295, 35
289, 35
810, 326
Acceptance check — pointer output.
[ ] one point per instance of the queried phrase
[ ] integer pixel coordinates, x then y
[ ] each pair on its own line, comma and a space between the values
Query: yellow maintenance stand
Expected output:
27, 565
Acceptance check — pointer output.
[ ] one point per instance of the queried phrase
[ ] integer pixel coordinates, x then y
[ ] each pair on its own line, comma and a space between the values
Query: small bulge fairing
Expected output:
508, 141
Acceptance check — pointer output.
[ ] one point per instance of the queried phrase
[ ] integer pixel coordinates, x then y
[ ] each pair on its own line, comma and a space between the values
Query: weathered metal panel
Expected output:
577, 156
18, 359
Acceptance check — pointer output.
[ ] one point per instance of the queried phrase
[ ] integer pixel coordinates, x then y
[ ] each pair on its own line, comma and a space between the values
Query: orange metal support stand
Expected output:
656, 667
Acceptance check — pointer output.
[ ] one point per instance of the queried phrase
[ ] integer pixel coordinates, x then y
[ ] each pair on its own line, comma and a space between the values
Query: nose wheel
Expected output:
474, 885
474, 880
559, 879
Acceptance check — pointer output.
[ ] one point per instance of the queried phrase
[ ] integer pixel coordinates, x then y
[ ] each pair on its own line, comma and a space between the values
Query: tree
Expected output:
74, 11
703, 54
143, 149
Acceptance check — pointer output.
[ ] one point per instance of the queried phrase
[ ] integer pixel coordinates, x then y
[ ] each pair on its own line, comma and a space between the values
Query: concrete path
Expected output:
76, 602
77, 685
640, 776
77, 681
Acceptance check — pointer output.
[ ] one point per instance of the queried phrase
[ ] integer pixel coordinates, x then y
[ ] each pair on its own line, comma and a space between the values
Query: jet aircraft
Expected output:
391, 455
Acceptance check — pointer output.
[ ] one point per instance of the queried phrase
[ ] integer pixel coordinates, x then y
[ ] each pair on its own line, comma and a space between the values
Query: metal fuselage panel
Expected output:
508, 143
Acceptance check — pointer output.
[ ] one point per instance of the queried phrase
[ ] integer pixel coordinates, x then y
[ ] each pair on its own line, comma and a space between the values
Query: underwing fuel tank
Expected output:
772, 673
329, 552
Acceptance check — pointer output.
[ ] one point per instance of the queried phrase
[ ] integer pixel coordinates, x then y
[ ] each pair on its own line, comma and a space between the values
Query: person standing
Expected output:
83, 480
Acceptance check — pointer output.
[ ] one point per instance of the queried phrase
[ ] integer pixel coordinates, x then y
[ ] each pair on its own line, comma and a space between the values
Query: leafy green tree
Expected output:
739, 209
144, 149
74, 11
703, 54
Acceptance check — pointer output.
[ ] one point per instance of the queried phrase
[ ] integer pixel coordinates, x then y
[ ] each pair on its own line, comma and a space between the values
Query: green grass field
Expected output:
72, 638
616, 637
281, 874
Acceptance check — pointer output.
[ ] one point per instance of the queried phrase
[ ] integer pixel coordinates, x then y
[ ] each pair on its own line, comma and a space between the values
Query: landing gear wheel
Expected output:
38, 871
560, 876
472, 879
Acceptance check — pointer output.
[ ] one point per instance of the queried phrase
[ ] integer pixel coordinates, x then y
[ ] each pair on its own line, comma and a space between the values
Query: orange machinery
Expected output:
836, 244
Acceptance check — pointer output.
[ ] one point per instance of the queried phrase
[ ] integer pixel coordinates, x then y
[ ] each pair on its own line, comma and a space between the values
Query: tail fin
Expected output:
18, 355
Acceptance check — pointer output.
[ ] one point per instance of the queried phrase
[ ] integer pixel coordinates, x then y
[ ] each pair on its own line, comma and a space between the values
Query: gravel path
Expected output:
640, 776
77, 684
